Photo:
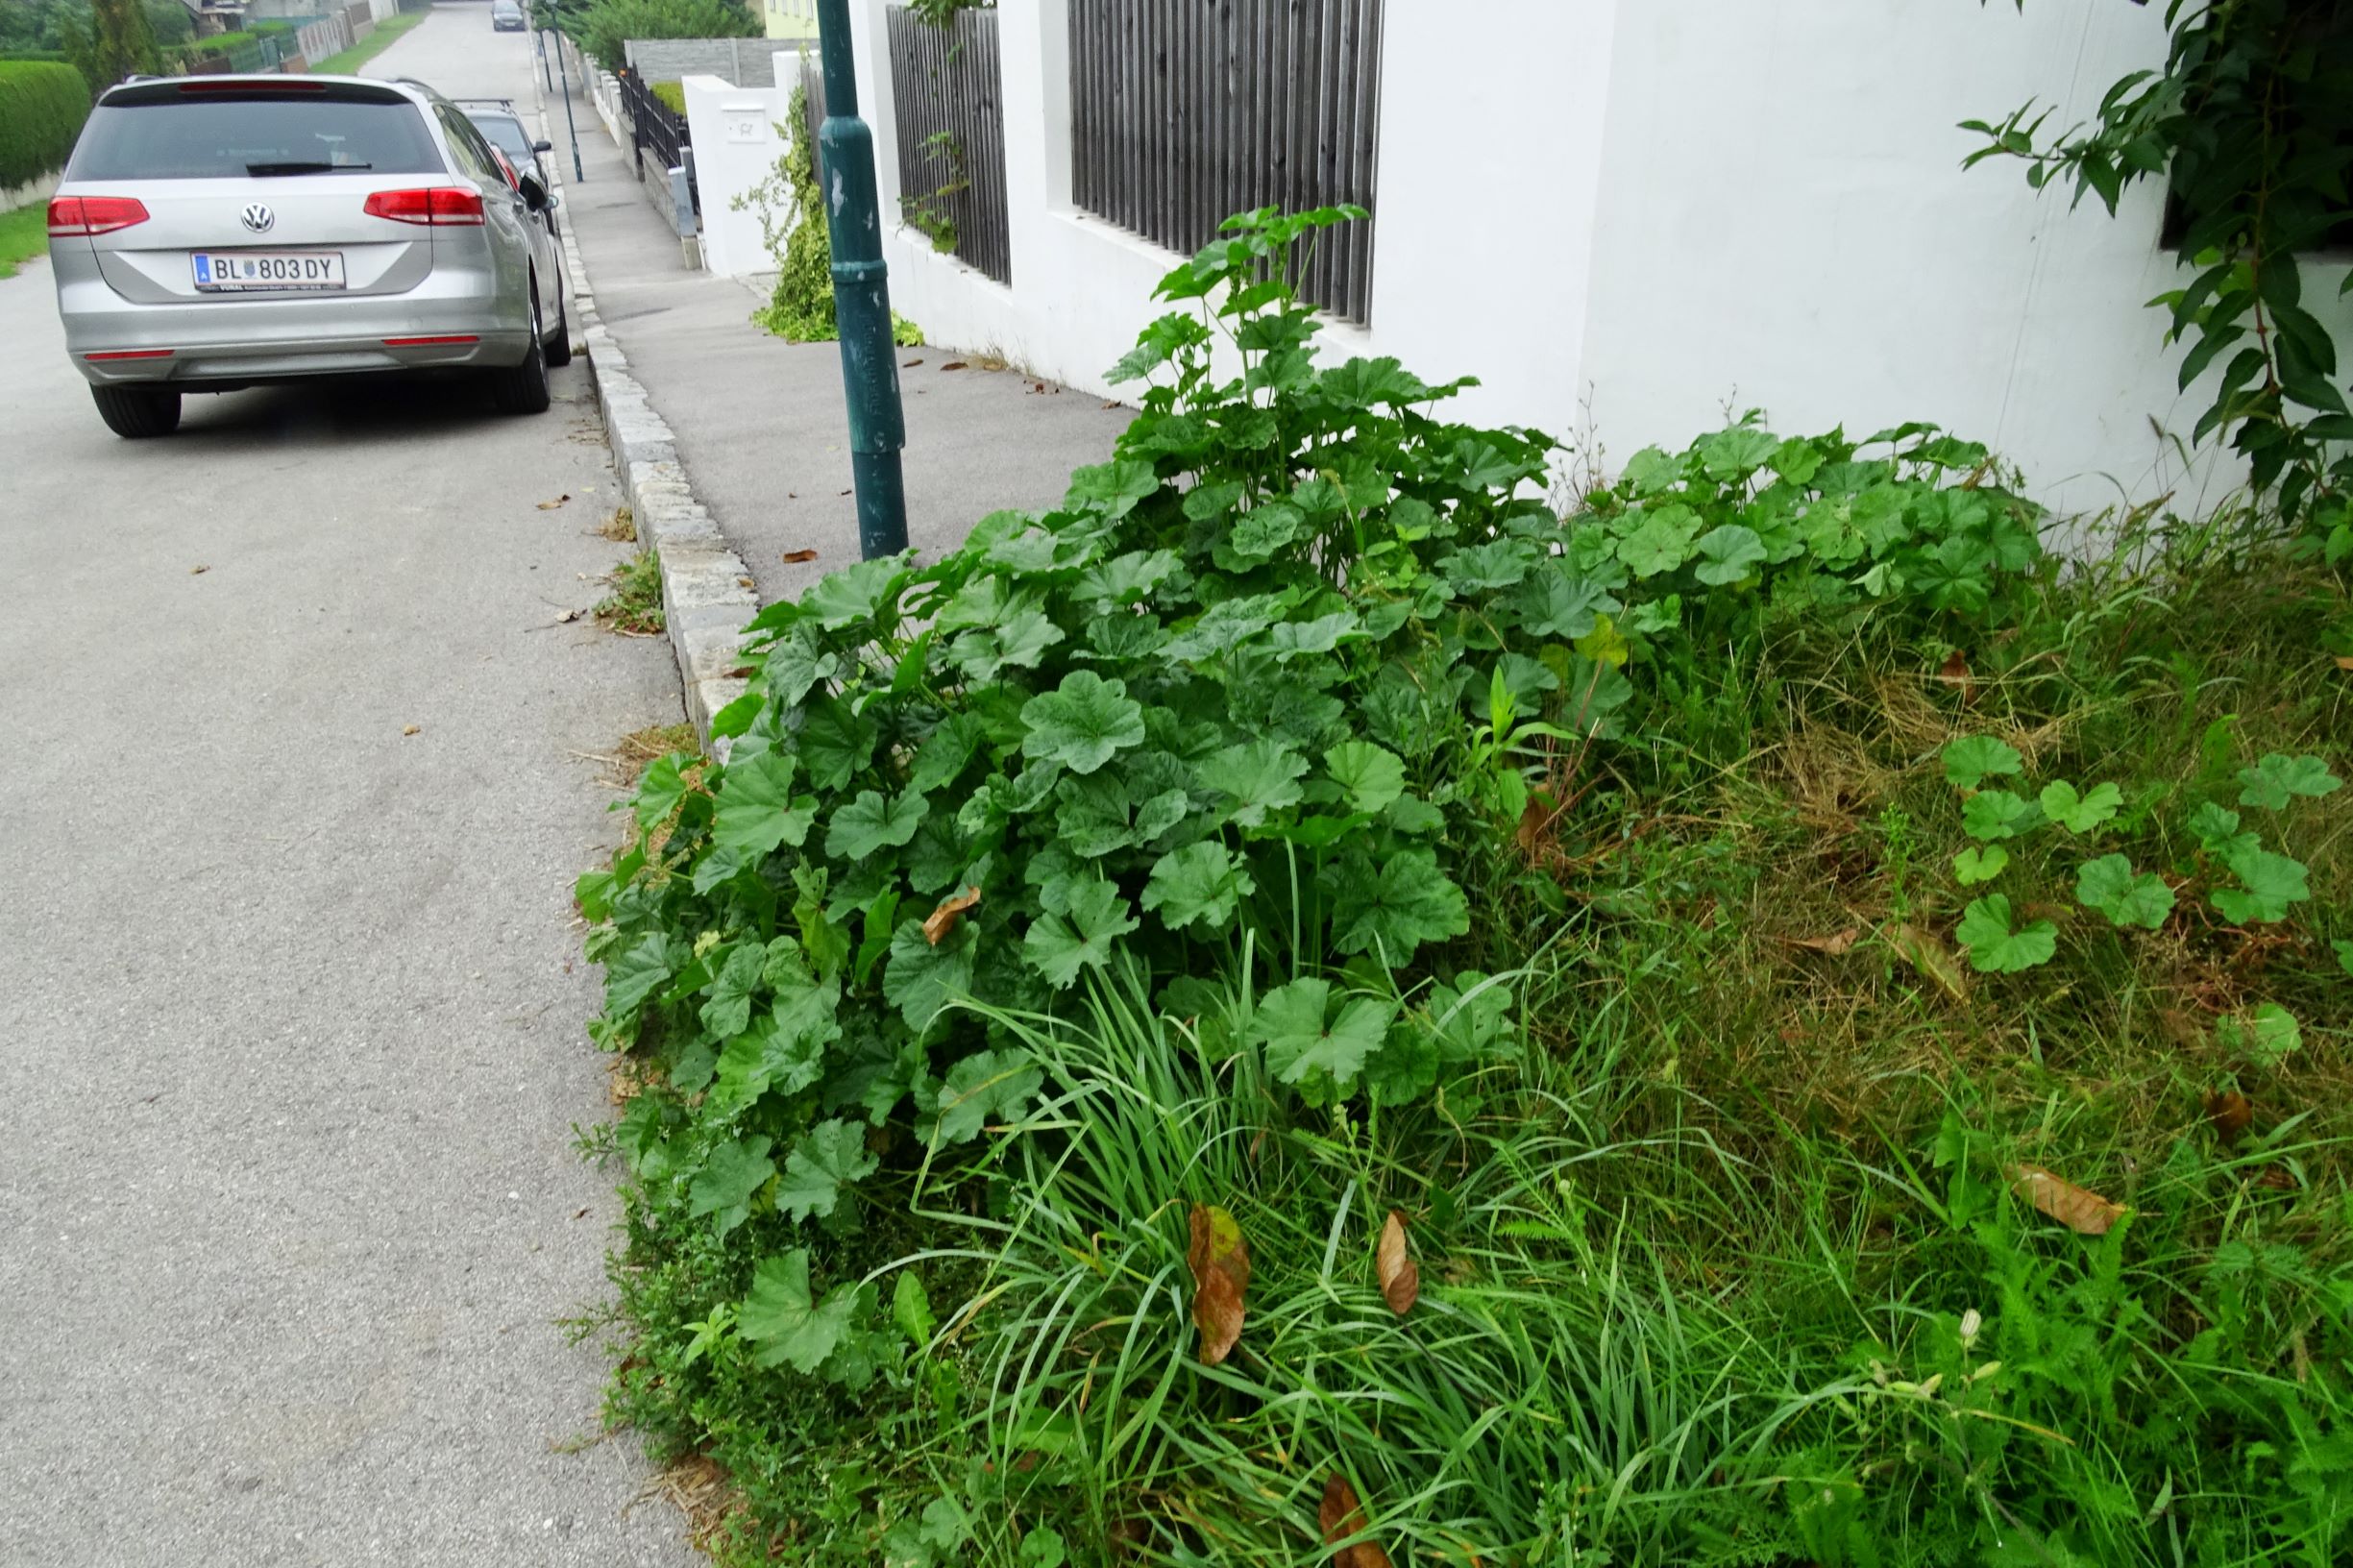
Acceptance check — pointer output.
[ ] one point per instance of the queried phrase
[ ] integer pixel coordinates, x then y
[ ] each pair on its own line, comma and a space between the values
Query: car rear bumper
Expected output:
113, 340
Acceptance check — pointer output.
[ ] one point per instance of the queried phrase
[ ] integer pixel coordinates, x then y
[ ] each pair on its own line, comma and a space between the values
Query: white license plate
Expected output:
223, 272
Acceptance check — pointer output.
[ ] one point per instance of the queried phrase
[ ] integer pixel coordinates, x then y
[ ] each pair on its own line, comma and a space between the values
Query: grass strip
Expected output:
24, 233
387, 32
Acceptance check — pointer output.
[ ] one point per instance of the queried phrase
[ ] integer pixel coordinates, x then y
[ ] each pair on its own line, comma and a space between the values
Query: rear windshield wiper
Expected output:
263, 171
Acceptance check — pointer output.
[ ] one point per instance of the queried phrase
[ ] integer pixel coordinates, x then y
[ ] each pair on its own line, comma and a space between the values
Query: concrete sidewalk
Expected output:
760, 422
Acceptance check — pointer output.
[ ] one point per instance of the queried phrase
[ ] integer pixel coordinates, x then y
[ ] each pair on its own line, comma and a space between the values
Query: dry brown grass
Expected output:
633, 752
699, 1489
621, 528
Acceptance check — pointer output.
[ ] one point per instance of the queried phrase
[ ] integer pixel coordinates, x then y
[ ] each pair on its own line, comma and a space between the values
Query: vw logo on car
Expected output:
258, 217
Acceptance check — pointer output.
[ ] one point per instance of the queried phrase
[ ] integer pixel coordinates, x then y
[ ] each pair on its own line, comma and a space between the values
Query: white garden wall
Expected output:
735, 145
1660, 210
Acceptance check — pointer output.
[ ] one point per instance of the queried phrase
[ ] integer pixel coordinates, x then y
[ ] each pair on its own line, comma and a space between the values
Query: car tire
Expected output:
522, 390
136, 413
559, 343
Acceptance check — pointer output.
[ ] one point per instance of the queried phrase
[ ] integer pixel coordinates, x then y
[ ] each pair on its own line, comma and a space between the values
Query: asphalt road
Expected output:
293, 779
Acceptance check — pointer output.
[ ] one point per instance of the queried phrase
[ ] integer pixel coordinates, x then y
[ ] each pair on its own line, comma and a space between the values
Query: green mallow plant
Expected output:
2247, 884
1276, 686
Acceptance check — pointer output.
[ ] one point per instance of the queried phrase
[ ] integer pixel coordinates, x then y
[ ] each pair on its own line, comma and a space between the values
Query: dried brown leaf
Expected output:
2343, 662
793, 557
1927, 952
1400, 1277
412, 729
909, 364
2085, 1212
1220, 1262
1954, 673
1341, 1516
1835, 944
953, 364
941, 922
550, 505
2230, 1113
198, 571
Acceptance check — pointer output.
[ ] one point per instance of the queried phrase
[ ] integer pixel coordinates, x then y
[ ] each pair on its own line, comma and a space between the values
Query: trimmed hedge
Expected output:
41, 110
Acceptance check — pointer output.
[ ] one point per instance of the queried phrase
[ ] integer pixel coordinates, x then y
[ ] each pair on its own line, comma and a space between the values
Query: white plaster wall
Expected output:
1675, 208
1785, 223
1082, 287
735, 145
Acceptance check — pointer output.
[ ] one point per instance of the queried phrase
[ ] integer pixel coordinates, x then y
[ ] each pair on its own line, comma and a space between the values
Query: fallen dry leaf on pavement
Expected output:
1928, 953
196, 571
793, 557
953, 364
1400, 1277
2085, 1212
1221, 1277
1835, 944
910, 365
550, 505
1341, 1516
940, 921
412, 729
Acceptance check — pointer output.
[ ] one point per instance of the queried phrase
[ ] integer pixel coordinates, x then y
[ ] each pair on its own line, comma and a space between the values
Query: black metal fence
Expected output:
1184, 111
947, 107
655, 126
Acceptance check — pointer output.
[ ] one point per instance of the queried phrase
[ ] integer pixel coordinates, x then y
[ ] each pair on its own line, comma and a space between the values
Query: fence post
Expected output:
860, 296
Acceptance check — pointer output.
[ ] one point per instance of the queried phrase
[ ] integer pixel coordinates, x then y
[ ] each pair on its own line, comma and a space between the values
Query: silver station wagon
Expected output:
225, 231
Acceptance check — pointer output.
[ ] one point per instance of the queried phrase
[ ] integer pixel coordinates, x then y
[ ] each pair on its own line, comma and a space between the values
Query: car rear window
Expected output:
505, 133
227, 136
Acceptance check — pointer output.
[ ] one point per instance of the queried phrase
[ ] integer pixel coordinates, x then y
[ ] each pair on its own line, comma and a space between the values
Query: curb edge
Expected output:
705, 600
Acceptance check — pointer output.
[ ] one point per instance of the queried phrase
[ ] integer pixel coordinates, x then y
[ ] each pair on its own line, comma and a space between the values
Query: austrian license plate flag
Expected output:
227, 271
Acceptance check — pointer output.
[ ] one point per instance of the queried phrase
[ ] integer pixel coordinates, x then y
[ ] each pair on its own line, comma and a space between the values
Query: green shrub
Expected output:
604, 27
41, 110
1277, 686
1304, 820
671, 94
792, 227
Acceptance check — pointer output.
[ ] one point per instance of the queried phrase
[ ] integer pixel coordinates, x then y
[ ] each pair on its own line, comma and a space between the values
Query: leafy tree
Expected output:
122, 42
2251, 120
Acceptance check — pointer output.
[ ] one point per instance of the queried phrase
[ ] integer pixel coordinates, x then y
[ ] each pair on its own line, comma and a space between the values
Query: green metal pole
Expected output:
860, 296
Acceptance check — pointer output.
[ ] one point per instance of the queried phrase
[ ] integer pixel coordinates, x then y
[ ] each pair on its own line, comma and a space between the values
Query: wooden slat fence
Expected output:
813, 107
1186, 112
949, 110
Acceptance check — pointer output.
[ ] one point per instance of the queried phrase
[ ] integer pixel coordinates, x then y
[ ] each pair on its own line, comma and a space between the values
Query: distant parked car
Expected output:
498, 120
506, 16
214, 233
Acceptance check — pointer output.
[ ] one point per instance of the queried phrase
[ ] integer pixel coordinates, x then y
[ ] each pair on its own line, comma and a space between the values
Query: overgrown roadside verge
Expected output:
706, 589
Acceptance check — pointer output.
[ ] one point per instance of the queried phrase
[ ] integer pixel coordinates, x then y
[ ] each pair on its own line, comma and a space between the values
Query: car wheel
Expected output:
522, 390
559, 345
136, 413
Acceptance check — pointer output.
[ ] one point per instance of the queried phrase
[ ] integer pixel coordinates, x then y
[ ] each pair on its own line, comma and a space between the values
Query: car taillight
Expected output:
71, 215
428, 205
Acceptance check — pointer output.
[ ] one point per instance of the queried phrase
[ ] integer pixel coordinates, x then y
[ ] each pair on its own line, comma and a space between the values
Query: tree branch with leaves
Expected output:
2250, 119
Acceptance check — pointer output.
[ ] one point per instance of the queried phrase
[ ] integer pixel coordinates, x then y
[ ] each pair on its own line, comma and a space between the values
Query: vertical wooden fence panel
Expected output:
1184, 111
948, 107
